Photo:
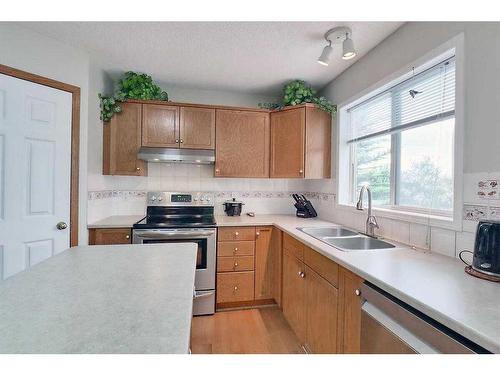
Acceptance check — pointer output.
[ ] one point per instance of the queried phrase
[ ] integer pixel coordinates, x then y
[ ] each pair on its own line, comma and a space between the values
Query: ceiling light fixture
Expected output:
338, 35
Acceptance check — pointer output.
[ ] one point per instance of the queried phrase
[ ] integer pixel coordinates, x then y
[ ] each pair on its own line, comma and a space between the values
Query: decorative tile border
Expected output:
475, 212
139, 194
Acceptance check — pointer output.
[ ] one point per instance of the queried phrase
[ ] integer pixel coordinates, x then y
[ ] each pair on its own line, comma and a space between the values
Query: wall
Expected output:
482, 133
125, 195
25, 50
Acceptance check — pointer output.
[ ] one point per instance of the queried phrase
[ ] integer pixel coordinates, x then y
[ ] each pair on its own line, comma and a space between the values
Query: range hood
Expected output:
176, 155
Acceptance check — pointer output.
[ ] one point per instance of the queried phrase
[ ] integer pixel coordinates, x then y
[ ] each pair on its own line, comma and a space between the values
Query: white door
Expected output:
35, 164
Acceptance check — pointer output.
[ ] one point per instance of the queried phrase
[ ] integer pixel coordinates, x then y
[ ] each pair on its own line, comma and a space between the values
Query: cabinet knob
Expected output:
236, 234
137, 169
257, 234
127, 236
176, 141
302, 274
301, 171
217, 170
236, 264
182, 141
357, 292
235, 250
235, 288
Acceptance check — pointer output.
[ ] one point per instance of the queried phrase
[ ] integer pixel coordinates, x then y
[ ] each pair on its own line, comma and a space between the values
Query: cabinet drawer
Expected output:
232, 264
115, 236
235, 248
237, 234
235, 286
294, 247
325, 267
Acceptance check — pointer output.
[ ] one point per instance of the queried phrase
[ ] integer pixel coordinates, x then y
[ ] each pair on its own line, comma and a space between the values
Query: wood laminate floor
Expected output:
252, 331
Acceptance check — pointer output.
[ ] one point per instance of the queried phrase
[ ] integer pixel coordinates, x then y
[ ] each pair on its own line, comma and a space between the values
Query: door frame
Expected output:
75, 138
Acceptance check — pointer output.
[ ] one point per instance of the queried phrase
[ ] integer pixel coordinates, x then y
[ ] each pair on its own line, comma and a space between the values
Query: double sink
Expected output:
345, 239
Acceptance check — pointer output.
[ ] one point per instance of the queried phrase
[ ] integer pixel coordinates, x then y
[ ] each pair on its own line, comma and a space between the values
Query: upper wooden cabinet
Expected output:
160, 125
300, 143
197, 128
121, 143
242, 144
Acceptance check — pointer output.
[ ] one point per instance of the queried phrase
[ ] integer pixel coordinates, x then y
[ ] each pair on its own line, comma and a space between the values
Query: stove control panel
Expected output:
165, 198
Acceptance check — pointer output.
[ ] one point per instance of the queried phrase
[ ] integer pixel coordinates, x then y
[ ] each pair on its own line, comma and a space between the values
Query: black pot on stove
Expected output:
233, 207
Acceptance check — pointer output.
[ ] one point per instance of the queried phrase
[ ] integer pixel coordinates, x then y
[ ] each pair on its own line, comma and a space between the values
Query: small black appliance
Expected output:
486, 255
304, 207
233, 207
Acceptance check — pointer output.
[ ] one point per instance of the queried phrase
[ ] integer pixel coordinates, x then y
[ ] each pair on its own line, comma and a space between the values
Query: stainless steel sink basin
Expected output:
358, 243
345, 239
319, 232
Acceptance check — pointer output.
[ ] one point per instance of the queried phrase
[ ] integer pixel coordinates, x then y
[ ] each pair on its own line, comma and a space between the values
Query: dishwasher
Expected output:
390, 326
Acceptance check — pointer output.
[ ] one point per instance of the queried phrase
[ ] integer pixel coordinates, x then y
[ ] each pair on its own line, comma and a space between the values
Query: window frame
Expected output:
344, 172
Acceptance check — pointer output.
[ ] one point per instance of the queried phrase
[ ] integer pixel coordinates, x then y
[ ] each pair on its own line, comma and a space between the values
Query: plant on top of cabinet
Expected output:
298, 92
131, 86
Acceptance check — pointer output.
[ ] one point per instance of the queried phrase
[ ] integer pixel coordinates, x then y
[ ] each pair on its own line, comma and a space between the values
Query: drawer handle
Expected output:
127, 236
257, 234
302, 274
235, 264
357, 292
235, 288
235, 250
236, 234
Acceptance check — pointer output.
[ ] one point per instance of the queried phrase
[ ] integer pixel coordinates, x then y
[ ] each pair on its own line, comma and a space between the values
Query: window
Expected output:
401, 143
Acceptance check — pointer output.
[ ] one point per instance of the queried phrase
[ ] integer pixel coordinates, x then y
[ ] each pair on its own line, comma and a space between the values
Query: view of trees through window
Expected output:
424, 167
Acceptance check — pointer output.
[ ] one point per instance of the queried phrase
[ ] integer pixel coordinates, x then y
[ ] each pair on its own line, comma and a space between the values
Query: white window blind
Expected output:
419, 100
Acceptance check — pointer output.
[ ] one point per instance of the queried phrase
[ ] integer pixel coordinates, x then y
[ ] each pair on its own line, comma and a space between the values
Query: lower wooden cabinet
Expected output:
111, 236
320, 300
350, 312
321, 314
235, 287
294, 294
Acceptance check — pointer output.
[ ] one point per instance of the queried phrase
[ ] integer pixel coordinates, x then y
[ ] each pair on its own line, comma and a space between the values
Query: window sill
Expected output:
411, 217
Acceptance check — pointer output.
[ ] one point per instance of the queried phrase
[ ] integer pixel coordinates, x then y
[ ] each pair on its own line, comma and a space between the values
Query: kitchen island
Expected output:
102, 299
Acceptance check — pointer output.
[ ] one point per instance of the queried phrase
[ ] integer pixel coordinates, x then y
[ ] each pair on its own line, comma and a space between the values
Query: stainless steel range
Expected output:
184, 217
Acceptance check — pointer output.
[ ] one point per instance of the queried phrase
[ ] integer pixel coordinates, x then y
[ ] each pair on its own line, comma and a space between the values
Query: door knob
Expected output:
61, 225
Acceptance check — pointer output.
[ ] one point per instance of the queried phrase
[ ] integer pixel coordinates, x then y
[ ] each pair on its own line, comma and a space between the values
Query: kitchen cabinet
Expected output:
294, 294
160, 125
197, 128
122, 141
349, 312
242, 143
321, 314
112, 236
267, 263
235, 287
300, 143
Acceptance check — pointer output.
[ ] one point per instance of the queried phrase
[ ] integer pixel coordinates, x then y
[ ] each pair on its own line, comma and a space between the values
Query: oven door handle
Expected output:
202, 294
160, 235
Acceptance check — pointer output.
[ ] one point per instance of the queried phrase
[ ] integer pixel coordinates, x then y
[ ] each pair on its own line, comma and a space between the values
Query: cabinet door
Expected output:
160, 125
197, 128
350, 312
242, 144
294, 294
121, 142
113, 236
287, 143
321, 305
266, 263
318, 153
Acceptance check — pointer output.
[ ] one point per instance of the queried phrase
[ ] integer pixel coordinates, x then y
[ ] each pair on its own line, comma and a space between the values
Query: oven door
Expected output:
205, 238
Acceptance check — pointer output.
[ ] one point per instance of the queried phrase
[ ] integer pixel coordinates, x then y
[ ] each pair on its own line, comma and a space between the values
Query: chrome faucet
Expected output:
371, 221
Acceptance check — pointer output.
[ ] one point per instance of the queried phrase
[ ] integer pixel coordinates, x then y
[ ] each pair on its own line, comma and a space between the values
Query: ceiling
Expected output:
251, 57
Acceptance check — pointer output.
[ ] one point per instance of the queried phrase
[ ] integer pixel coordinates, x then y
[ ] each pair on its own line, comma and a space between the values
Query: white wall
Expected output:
25, 50
482, 130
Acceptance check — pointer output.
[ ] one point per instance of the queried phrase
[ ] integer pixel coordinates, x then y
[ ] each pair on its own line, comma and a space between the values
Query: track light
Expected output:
337, 35
325, 55
348, 51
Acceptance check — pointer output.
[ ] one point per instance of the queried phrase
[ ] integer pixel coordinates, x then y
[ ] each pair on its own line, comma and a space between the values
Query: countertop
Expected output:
101, 299
432, 283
